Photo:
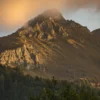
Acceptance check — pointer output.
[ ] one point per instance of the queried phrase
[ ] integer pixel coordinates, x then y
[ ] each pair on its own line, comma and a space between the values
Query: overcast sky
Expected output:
14, 13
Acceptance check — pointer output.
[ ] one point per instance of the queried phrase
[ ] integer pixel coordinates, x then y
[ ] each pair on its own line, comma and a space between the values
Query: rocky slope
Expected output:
49, 45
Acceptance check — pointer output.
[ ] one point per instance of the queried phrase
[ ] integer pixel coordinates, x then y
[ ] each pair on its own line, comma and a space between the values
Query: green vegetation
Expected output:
16, 86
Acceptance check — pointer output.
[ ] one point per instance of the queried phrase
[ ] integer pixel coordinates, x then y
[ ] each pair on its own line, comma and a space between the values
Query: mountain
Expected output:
49, 45
96, 35
97, 31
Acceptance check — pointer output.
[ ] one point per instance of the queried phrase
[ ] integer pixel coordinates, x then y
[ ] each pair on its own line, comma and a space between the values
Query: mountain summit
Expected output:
49, 45
52, 13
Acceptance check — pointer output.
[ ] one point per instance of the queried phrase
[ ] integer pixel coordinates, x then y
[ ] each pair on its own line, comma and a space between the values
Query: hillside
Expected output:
49, 45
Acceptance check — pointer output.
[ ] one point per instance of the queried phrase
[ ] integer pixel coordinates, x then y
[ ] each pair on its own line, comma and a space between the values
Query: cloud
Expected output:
83, 4
16, 12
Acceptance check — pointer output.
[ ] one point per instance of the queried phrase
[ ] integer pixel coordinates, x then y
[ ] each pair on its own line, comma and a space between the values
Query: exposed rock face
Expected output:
17, 56
49, 45
26, 56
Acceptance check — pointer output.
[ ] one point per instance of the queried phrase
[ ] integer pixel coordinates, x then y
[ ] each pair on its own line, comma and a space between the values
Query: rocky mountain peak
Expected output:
53, 14
51, 45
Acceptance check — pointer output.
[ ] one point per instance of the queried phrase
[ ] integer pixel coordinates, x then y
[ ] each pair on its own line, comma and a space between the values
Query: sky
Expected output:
14, 13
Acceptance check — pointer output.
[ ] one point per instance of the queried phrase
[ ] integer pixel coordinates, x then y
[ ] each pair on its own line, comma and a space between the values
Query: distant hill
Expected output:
96, 34
97, 31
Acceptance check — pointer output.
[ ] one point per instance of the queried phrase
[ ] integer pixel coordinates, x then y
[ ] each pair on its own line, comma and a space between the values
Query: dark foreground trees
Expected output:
68, 91
15, 86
